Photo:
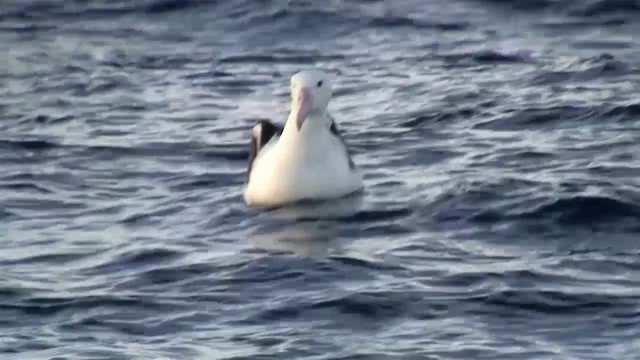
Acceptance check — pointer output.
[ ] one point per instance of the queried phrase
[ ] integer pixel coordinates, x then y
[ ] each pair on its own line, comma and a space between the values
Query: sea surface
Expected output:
499, 141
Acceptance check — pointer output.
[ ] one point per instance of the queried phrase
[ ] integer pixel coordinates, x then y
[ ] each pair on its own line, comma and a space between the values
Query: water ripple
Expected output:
497, 138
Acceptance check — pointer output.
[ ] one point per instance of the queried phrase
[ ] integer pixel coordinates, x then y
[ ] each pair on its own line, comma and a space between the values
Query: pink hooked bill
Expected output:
302, 106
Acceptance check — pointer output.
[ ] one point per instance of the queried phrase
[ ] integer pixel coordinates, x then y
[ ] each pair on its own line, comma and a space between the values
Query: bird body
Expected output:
305, 160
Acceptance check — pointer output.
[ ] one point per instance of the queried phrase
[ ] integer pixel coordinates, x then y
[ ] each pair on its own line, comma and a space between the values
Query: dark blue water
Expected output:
499, 142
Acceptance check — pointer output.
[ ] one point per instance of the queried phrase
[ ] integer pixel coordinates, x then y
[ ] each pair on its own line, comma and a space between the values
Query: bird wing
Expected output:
261, 134
336, 133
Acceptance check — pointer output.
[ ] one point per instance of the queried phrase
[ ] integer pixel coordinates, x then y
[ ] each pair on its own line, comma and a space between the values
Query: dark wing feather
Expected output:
336, 133
261, 133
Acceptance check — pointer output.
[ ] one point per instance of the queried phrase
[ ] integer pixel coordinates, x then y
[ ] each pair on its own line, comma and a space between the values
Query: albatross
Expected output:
307, 159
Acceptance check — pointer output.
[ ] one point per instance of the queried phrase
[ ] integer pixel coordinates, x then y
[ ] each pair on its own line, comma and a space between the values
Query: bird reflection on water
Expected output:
311, 226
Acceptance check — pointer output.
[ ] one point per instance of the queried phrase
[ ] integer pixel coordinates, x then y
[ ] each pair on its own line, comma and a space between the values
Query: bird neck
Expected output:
315, 122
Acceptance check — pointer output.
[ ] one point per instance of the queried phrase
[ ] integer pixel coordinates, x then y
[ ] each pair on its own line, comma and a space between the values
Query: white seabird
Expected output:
305, 160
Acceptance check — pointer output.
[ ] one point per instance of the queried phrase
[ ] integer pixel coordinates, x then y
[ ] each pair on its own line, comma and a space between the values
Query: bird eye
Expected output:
319, 83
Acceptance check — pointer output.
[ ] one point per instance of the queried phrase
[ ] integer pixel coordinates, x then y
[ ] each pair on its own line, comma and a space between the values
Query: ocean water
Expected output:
499, 141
